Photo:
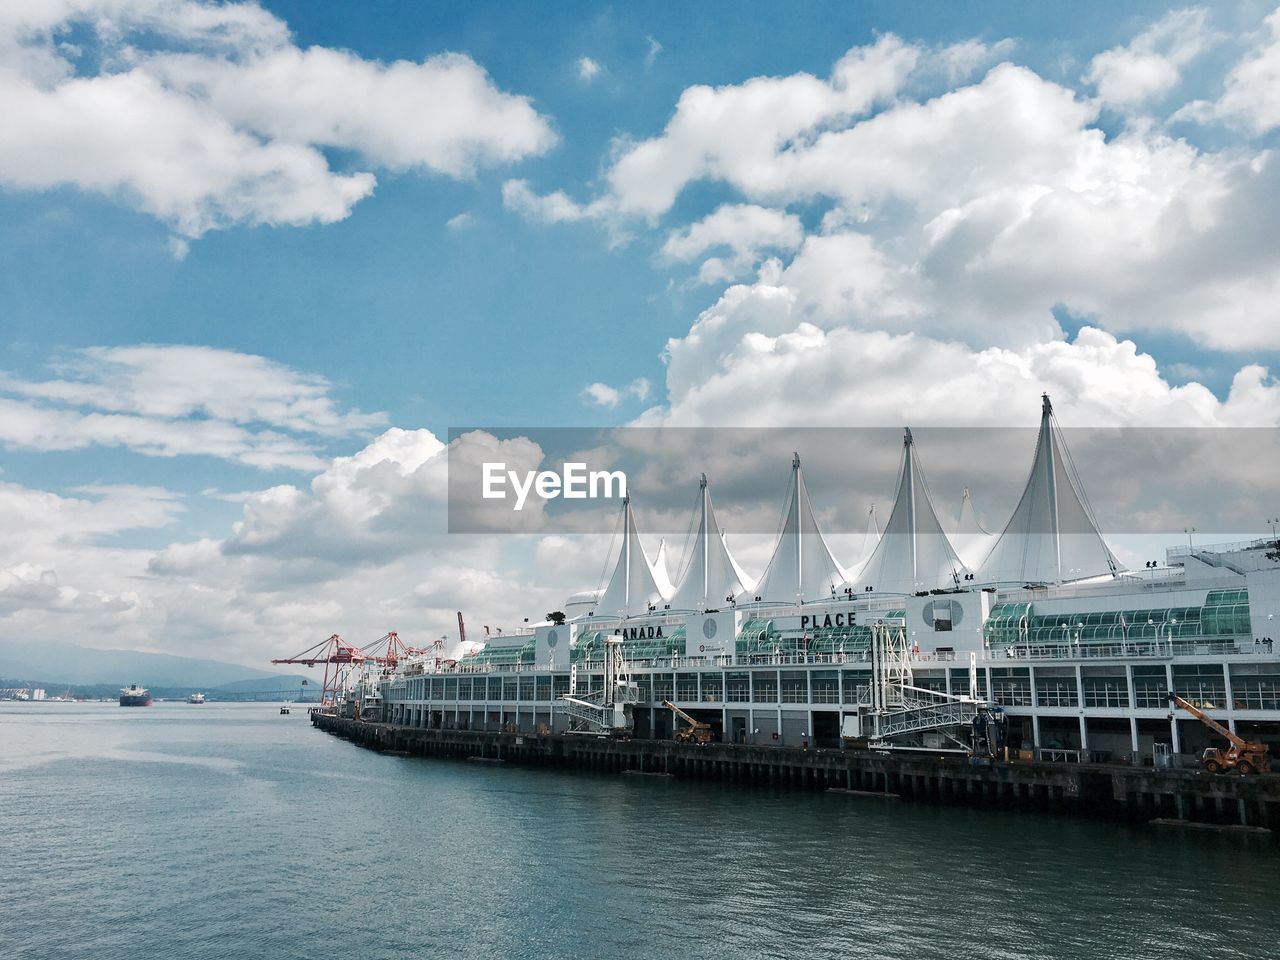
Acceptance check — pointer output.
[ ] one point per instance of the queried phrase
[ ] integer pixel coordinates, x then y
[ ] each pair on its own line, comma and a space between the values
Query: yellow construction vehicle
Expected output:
1243, 756
695, 732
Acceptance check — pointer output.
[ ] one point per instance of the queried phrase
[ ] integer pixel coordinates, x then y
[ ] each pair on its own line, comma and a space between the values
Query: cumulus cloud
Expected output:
603, 395
841, 376
979, 213
588, 69
745, 229
1151, 63
170, 400
1251, 95
207, 115
557, 207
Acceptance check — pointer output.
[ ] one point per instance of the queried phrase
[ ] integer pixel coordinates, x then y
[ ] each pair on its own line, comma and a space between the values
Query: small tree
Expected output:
556, 617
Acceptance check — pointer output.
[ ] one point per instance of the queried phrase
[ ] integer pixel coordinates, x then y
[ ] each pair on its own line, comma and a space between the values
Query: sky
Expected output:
256, 260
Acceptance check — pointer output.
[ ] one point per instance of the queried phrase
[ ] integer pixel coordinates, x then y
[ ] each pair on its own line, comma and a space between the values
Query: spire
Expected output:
1052, 536
914, 552
802, 567
710, 574
636, 582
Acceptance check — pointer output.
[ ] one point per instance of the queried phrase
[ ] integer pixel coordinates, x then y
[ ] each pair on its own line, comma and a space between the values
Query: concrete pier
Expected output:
1106, 791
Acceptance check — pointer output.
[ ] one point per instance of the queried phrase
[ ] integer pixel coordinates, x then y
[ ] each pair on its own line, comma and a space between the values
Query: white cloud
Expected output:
745, 229
730, 132
218, 119
757, 357
1150, 64
959, 61
177, 400
1251, 98
587, 69
461, 221
603, 395
555, 207
975, 214
651, 54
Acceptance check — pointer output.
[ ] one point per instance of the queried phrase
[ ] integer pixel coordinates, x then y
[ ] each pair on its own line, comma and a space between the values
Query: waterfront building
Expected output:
1041, 618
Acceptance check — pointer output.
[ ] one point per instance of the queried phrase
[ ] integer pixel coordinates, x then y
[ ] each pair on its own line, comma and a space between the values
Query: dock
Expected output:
1106, 791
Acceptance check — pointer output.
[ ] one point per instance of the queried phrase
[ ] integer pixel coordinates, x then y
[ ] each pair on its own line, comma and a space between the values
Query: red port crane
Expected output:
388, 650
339, 659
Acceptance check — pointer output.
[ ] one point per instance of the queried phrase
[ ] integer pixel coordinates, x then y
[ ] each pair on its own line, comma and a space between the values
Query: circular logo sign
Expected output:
709, 627
942, 614
552, 639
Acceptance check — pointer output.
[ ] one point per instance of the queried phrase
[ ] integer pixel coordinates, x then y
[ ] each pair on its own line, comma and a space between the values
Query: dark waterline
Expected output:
230, 831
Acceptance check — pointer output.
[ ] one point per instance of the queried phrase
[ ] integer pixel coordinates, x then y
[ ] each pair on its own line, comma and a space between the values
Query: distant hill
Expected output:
69, 664
289, 686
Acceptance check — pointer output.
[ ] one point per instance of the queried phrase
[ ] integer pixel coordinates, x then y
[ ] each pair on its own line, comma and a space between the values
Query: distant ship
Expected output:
135, 696
196, 698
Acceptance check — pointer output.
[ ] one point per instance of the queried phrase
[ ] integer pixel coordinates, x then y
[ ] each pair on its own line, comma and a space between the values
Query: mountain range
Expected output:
67, 663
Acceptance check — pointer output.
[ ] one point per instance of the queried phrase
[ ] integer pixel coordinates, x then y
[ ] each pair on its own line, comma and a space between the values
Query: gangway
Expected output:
895, 710
607, 712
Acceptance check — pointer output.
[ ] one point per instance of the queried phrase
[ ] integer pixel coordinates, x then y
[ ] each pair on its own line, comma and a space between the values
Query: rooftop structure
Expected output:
914, 553
802, 567
710, 576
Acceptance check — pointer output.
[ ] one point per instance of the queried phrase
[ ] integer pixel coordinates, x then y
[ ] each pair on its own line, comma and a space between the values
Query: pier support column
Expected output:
1135, 744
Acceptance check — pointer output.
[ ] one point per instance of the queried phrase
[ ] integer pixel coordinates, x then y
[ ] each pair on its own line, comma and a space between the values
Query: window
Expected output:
711, 687
1201, 684
826, 686
1106, 691
795, 687
764, 687
1150, 688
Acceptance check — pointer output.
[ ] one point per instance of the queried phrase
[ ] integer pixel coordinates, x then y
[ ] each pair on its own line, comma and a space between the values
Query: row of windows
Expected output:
1201, 684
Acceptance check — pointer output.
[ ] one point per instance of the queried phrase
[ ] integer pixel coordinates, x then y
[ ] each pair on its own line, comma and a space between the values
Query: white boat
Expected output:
196, 698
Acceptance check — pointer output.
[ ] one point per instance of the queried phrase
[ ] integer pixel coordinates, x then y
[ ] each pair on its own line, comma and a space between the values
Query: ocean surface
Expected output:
230, 831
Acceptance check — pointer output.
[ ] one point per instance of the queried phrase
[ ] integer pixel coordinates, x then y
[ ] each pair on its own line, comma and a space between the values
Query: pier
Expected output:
1106, 791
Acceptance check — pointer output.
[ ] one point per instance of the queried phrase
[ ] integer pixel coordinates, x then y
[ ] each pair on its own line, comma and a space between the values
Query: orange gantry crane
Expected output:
1242, 756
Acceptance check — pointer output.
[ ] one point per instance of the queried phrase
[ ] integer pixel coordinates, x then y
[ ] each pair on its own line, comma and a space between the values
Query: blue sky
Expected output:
442, 299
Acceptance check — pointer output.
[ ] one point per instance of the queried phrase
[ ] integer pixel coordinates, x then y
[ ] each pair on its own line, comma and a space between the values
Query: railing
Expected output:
1220, 547
918, 716
1164, 649
1161, 579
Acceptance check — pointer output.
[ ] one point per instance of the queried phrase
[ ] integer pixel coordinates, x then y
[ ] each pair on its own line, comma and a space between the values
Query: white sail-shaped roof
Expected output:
972, 541
636, 583
662, 569
710, 575
802, 567
1052, 536
914, 552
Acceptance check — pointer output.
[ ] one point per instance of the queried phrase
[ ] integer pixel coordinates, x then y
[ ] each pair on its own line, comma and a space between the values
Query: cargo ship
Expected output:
1078, 658
135, 696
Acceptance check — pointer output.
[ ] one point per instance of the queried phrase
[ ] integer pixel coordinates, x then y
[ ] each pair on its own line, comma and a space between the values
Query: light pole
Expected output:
1189, 531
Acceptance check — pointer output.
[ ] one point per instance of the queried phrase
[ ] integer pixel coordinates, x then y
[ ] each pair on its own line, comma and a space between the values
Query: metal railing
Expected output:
1153, 649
